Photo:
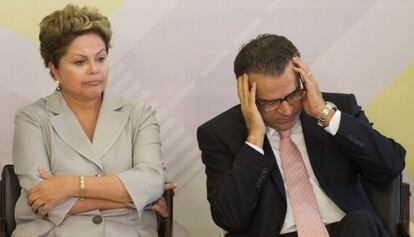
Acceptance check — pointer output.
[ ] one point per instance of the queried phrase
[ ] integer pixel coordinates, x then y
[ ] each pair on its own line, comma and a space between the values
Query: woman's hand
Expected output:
160, 206
52, 191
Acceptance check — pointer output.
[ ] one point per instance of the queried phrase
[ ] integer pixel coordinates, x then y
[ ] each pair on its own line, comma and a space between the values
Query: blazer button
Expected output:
97, 220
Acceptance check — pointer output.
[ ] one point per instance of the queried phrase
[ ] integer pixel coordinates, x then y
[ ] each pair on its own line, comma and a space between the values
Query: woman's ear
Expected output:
53, 71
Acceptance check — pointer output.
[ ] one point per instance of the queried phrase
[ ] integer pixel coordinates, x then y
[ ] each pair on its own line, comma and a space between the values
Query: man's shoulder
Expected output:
225, 120
342, 100
227, 128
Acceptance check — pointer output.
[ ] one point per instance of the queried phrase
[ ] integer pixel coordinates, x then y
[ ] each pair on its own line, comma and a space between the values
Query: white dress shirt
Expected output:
329, 211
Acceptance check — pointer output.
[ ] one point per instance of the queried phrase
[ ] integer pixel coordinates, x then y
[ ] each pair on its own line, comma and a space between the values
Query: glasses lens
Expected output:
295, 96
271, 106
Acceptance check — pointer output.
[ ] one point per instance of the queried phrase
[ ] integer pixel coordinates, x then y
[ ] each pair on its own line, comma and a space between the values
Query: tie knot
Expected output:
284, 134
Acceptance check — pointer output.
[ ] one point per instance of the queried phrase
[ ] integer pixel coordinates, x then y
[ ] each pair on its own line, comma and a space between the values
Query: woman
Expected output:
88, 162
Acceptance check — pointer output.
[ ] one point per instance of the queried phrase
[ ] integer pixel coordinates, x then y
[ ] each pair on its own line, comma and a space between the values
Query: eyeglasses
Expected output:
270, 105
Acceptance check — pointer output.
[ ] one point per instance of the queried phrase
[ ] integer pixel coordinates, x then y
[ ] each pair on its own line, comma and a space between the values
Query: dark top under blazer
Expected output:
245, 188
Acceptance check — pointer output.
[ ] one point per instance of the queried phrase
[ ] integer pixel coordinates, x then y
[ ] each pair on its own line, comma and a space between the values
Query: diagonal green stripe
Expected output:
392, 112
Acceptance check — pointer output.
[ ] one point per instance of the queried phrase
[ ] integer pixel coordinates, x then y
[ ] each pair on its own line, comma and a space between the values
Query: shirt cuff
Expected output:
256, 148
333, 126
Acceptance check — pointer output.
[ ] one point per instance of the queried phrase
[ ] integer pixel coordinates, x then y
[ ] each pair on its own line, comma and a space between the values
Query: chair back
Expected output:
10, 192
387, 200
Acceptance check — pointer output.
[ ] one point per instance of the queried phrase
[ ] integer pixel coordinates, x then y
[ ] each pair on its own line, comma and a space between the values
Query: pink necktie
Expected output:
305, 209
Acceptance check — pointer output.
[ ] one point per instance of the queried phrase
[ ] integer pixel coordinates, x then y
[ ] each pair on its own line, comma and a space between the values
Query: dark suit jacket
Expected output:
245, 188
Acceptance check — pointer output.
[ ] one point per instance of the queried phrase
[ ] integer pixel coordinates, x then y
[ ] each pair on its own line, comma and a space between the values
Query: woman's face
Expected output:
83, 69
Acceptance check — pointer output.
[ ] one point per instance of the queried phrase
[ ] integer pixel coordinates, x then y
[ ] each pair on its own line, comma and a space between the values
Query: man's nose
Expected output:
285, 108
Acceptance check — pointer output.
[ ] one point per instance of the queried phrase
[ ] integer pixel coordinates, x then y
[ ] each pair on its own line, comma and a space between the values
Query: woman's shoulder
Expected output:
138, 110
131, 105
36, 109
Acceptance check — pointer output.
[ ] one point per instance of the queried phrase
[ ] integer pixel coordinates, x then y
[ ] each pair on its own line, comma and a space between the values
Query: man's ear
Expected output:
54, 72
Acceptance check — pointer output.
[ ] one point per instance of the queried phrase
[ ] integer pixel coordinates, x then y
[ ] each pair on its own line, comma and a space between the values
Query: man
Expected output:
287, 161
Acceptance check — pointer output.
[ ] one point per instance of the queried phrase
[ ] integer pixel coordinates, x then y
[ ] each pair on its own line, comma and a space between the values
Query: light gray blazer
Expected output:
126, 143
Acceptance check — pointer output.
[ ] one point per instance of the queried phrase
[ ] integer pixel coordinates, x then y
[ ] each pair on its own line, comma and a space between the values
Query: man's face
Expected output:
274, 87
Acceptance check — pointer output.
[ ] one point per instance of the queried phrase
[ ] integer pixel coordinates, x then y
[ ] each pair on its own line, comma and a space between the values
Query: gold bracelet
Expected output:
82, 187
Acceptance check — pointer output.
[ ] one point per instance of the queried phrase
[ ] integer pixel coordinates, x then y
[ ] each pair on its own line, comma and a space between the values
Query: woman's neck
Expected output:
80, 106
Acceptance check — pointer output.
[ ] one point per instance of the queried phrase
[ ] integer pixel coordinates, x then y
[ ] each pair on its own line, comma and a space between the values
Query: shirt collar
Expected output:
297, 128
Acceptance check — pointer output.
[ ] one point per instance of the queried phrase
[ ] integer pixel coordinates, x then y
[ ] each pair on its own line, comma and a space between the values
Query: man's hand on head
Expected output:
254, 121
313, 102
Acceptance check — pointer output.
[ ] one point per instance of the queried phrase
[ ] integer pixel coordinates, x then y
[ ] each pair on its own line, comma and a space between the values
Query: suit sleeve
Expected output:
29, 153
234, 181
145, 181
378, 157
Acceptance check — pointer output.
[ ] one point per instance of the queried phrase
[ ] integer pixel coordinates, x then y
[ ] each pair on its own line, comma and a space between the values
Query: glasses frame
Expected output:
300, 87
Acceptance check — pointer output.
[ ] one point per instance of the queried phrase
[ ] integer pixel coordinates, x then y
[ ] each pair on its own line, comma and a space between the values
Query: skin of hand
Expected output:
254, 122
52, 191
313, 103
49, 193
160, 206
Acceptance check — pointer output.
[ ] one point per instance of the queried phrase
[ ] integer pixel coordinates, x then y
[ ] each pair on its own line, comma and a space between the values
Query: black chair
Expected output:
10, 192
392, 202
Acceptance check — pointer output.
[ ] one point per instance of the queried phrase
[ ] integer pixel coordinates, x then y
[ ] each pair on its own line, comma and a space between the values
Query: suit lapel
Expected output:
313, 136
68, 128
111, 122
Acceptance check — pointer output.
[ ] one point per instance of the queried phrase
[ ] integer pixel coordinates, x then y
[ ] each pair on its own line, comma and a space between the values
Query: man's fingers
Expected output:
240, 89
252, 95
246, 89
239, 86
302, 72
299, 63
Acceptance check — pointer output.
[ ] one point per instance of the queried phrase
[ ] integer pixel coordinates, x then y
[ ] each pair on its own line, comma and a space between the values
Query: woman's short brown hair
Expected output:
58, 30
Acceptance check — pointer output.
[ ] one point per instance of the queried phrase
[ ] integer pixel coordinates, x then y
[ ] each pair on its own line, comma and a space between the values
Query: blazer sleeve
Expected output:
145, 181
378, 157
30, 151
234, 181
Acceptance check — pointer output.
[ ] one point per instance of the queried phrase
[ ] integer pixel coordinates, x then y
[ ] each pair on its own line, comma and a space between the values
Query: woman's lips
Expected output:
93, 83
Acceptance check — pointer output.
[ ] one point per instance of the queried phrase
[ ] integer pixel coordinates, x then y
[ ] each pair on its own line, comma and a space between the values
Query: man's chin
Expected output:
283, 126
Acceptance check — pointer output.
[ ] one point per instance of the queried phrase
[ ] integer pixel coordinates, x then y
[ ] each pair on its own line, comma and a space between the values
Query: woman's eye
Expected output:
79, 62
101, 59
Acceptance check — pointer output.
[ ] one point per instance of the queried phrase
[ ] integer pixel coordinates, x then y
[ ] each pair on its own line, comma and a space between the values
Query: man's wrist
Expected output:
256, 140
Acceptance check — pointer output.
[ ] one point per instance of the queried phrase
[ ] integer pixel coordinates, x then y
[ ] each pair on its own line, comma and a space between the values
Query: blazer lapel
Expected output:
313, 137
111, 122
68, 128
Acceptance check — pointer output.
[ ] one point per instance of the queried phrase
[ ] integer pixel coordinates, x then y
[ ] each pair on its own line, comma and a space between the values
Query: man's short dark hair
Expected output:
266, 54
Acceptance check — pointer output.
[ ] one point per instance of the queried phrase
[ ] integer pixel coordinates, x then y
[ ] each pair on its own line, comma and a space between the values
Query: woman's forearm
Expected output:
92, 204
107, 187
